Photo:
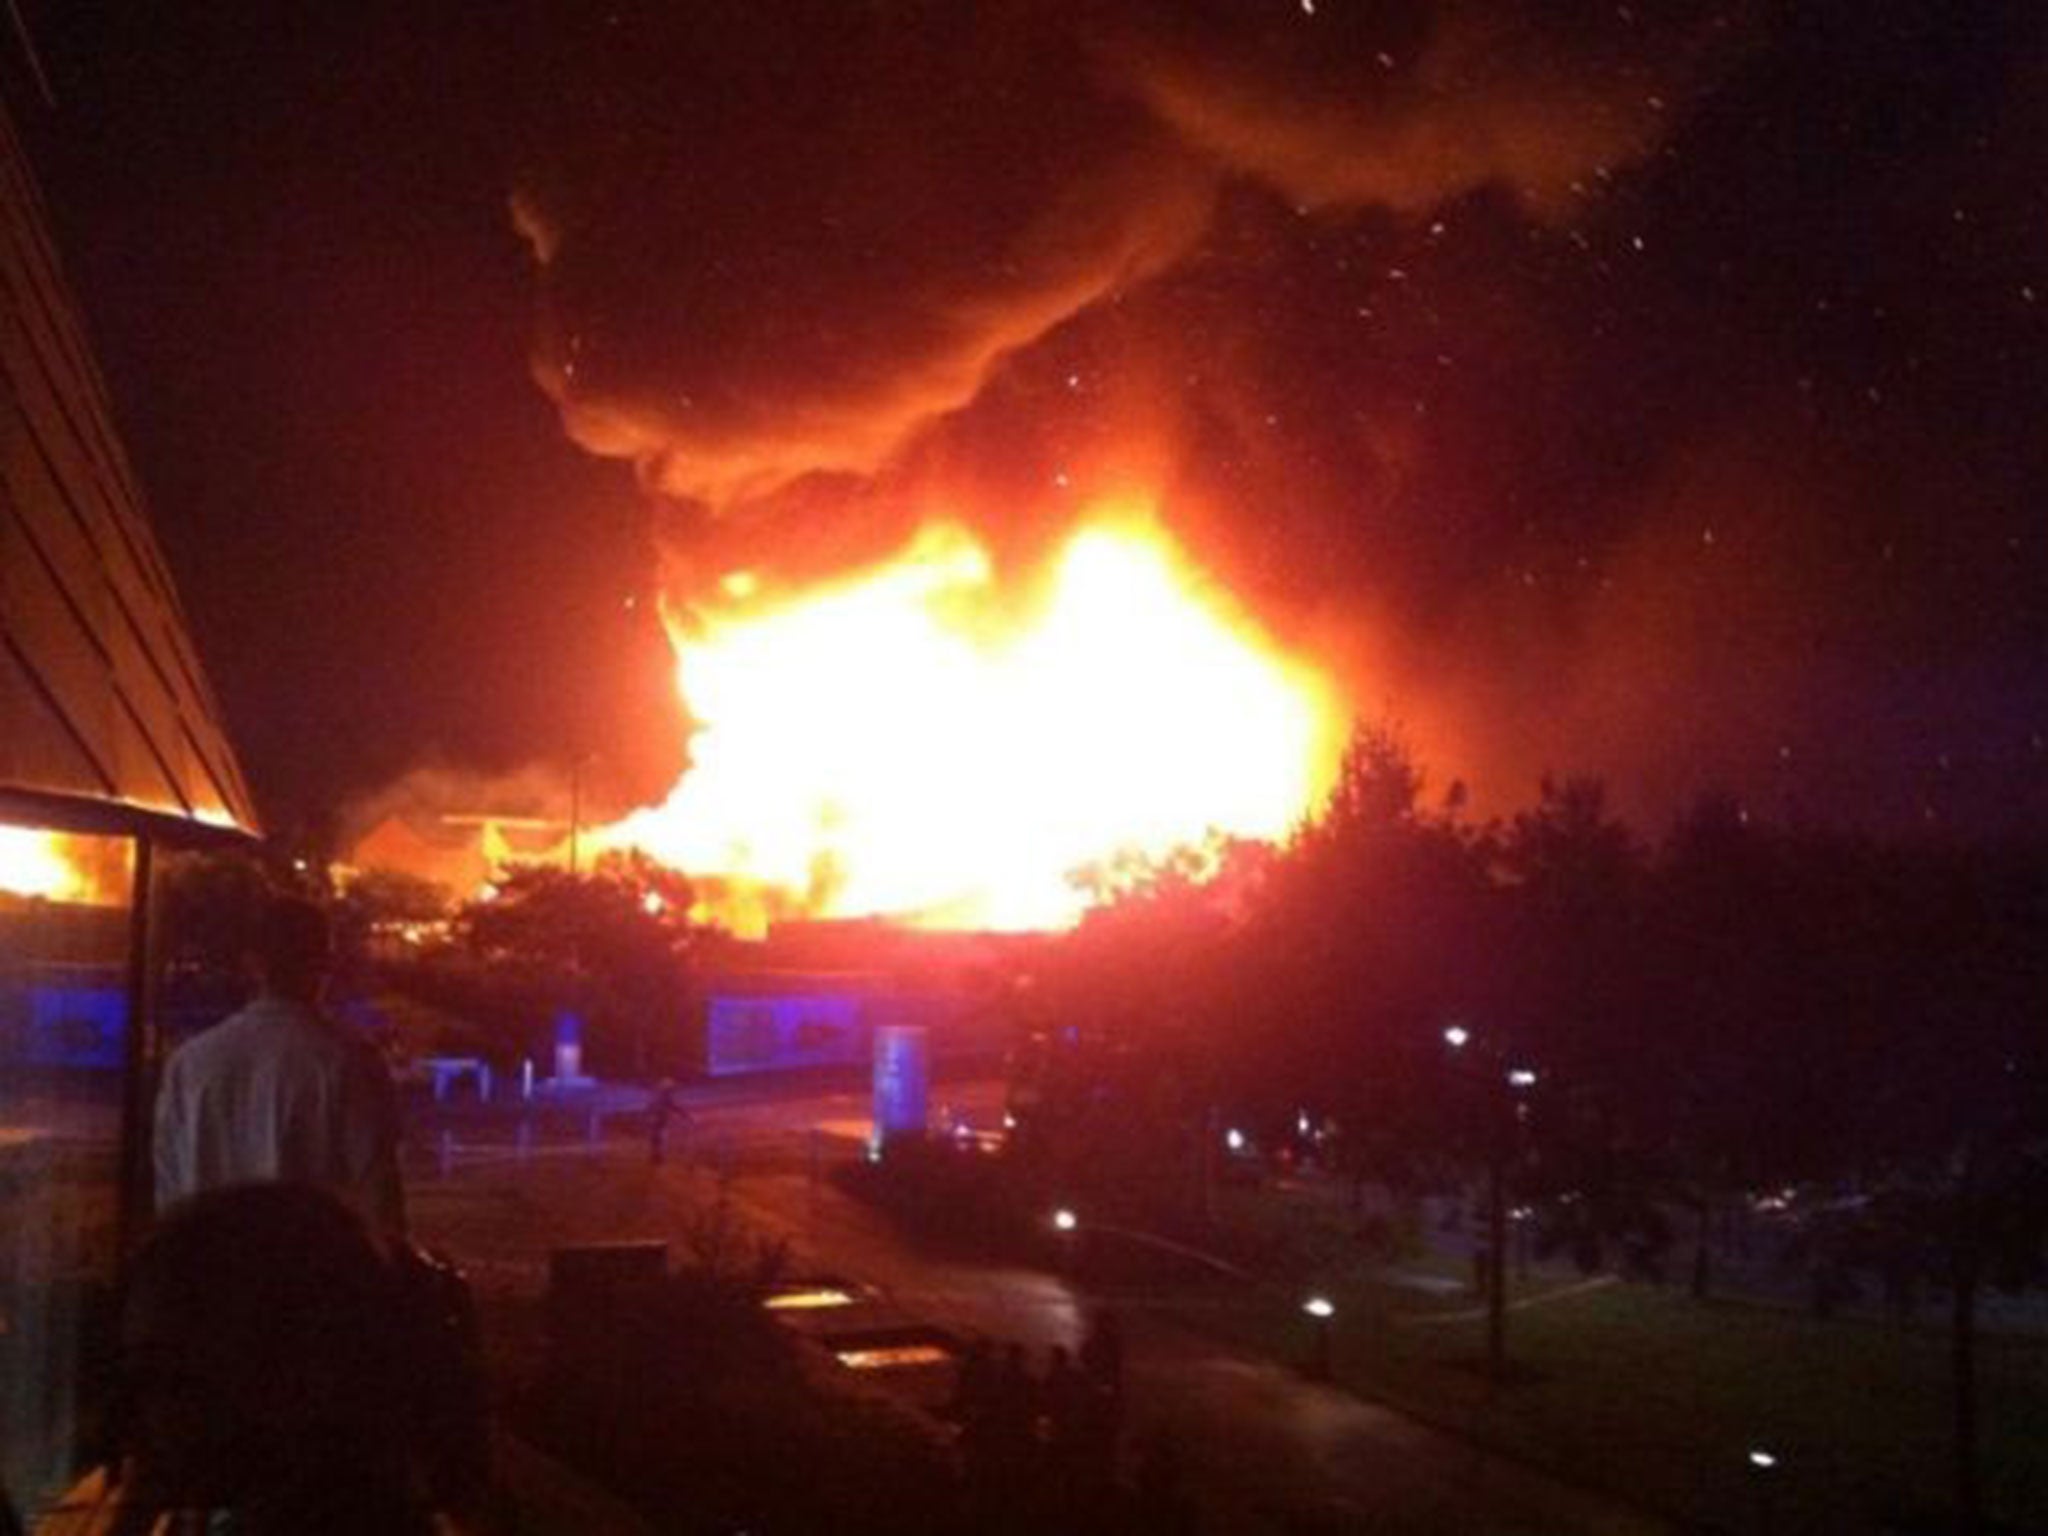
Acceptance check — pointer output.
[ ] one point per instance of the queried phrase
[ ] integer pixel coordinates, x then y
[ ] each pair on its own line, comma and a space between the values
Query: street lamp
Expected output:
1763, 1466
1234, 1139
1066, 1228
1321, 1309
1498, 1084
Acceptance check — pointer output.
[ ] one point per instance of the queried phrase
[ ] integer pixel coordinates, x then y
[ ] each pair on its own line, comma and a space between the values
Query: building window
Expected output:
64, 917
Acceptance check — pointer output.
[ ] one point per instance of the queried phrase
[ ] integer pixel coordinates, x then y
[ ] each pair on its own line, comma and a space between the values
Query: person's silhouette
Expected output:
267, 1362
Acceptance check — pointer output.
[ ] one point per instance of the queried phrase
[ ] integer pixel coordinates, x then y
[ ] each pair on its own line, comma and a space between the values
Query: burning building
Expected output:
913, 740
460, 852
929, 739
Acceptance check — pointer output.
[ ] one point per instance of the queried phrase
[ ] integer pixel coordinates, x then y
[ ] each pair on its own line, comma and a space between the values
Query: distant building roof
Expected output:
461, 851
106, 719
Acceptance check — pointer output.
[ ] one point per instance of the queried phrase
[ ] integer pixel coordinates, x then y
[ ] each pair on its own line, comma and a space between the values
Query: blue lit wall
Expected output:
778, 1032
65, 1016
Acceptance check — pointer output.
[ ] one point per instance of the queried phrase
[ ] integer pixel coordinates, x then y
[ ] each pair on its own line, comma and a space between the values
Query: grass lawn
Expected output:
1644, 1393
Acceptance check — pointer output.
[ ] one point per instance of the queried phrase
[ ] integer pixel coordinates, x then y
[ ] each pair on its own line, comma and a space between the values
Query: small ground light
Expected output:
811, 1298
1234, 1139
1762, 1459
1064, 1220
1522, 1077
1456, 1036
1319, 1306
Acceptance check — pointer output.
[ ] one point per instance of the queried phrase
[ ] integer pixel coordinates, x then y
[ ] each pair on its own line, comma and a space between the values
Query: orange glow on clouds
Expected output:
918, 742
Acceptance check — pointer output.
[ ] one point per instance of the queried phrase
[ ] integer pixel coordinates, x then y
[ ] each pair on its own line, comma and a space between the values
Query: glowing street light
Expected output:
1234, 1139
1493, 1272
1763, 1477
1321, 1309
1066, 1239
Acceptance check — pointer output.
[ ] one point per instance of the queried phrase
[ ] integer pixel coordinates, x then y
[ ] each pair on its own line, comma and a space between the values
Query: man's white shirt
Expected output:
280, 1092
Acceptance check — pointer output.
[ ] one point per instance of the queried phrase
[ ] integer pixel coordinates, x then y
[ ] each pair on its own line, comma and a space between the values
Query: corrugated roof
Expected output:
106, 718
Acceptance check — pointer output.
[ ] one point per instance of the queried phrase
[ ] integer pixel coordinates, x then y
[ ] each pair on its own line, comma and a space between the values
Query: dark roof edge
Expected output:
116, 818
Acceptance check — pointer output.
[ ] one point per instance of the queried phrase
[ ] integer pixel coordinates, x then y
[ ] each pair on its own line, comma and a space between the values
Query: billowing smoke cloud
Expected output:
1625, 387
785, 241
1374, 107
779, 241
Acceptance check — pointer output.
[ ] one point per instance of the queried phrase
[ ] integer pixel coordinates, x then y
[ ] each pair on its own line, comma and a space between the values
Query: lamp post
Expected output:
1066, 1226
1763, 1467
1496, 1246
1320, 1310
1499, 1084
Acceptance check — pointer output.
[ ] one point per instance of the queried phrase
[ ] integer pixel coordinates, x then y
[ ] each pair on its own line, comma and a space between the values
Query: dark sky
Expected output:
1649, 389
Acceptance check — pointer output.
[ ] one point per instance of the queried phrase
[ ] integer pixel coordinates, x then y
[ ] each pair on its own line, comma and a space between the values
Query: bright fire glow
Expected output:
920, 742
37, 864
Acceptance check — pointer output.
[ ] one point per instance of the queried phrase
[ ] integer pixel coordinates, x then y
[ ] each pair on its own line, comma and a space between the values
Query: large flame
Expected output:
918, 742
46, 865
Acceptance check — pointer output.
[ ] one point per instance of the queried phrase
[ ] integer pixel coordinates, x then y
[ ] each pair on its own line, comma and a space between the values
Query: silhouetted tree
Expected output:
209, 903
391, 895
385, 902
1951, 1158
1578, 1009
1730, 940
1140, 1004
1376, 933
616, 941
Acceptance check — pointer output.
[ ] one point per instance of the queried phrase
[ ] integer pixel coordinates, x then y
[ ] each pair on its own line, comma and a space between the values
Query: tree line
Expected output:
1642, 1030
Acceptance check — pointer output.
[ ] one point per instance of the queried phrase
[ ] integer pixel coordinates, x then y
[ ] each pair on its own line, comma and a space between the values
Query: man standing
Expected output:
280, 1091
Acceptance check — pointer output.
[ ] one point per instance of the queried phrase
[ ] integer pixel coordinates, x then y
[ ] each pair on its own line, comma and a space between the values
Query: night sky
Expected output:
1650, 389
